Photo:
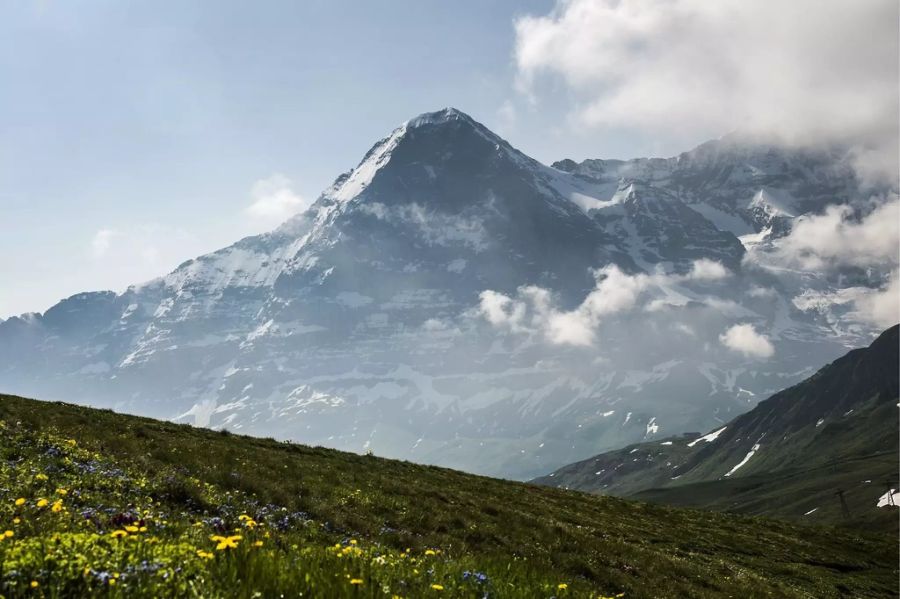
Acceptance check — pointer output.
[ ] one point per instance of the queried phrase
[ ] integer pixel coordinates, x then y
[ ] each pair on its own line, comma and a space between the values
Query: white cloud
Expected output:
707, 270
802, 72
533, 311
139, 252
882, 306
102, 241
615, 291
834, 238
744, 338
274, 201
501, 310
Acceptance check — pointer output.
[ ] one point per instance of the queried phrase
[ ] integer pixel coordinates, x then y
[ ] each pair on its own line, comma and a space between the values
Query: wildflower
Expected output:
17, 520
479, 577
429, 552
42, 502
204, 554
35, 584
132, 528
356, 581
258, 544
72, 442
226, 542
57, 506
562, 586
8, 534
112, 582
437, 587
41, 476
20, 501
62, 492
116, 534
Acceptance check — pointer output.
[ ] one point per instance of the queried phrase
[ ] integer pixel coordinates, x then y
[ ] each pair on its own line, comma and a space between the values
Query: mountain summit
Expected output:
423, 307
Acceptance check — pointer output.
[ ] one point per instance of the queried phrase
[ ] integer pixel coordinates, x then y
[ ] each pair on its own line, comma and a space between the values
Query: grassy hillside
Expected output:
789, 456
97, 503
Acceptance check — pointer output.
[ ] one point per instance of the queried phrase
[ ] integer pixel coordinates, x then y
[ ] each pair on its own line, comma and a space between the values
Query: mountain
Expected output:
790, 455
364, 323
743, 187
140, 508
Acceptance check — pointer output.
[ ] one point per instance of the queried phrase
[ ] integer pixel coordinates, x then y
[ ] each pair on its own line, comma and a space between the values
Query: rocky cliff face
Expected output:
360, 324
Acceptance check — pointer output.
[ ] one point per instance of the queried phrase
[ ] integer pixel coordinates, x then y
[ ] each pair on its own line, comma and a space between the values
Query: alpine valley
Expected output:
453, 301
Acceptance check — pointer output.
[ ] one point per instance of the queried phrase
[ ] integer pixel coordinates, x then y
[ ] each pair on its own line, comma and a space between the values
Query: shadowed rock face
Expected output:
355, 324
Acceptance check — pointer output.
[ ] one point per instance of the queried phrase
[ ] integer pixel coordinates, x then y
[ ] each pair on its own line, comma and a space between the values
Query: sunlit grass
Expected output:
94, 503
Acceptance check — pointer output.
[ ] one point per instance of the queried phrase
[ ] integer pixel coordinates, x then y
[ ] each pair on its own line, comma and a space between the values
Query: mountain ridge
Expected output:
835, 430
358, 323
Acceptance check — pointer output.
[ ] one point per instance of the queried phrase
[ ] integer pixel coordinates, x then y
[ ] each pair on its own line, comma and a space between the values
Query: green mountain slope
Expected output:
98, 503
792, 455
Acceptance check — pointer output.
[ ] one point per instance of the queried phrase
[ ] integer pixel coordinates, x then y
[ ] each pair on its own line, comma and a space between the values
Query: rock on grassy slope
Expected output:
789, 456
102, 504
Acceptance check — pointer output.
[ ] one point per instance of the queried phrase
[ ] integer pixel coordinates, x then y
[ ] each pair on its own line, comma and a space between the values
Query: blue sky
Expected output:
135, 135
155, 119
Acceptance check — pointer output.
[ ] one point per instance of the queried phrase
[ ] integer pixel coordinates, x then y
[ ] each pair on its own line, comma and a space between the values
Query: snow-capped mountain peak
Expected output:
362, 322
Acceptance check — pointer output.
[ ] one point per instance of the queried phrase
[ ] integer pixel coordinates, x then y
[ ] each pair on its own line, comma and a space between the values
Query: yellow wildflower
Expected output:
20, 501
42, 502
72, 442
429, 552
35, 584
116, 534
17, 520
62, 492
204, 554
57, 506
258, 544
356, 581
562, 586
226, 542
132, 528
8, 534
41, 476
437, 587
